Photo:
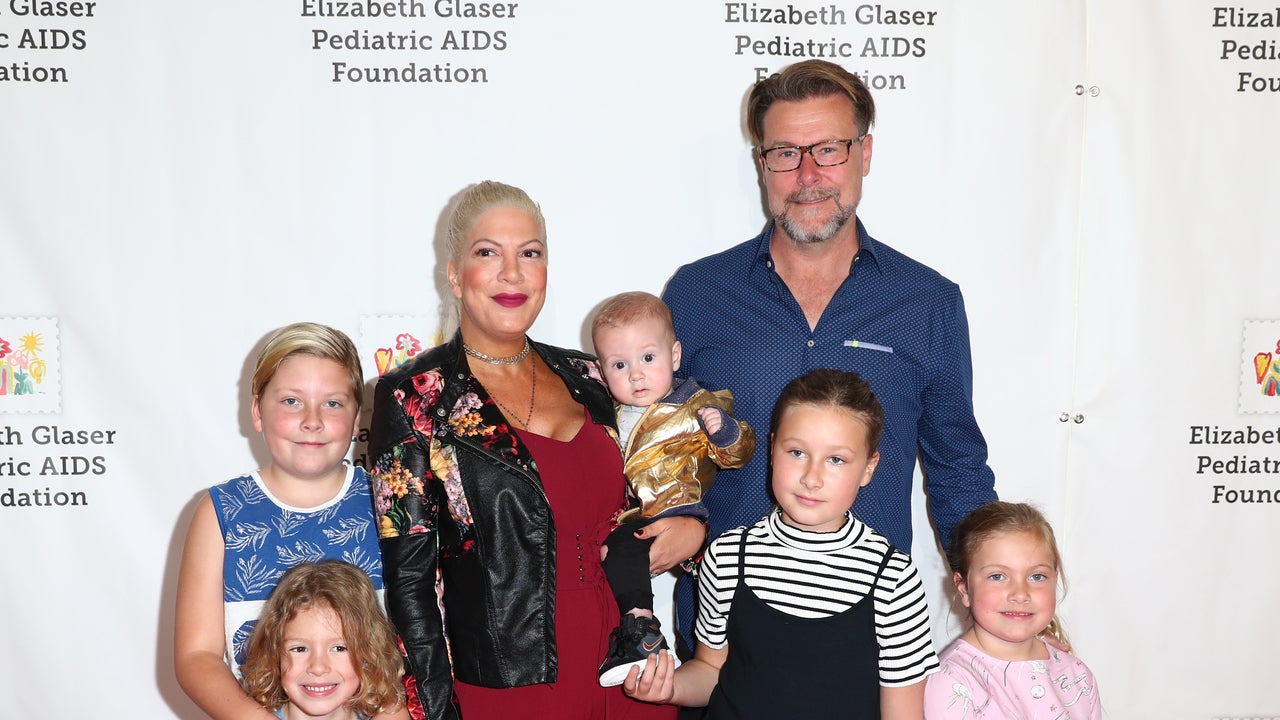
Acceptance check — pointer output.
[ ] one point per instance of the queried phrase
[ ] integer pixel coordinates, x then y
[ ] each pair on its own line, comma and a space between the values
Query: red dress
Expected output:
584, 484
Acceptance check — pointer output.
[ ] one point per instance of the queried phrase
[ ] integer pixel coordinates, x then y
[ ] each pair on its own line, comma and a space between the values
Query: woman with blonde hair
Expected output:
497, 474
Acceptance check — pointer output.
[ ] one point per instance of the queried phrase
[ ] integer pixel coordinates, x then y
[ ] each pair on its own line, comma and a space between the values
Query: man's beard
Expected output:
798, 233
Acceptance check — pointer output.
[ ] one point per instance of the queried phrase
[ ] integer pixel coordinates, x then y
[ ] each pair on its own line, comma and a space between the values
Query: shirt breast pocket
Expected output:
892, 375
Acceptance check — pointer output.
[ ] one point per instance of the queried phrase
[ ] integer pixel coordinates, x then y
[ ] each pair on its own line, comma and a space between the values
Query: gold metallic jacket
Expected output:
670, 460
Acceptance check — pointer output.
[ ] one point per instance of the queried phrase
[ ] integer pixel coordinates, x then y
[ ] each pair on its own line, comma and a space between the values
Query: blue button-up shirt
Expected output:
894, 321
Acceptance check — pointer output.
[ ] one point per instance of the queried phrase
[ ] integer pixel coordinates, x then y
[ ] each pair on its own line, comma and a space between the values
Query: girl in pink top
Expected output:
1007, 570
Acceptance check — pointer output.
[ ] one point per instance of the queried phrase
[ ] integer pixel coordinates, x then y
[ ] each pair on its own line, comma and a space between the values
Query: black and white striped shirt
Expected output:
816, 574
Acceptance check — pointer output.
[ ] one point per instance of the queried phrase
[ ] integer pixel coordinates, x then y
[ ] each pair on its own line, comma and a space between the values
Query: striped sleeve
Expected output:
902, 625
717, 579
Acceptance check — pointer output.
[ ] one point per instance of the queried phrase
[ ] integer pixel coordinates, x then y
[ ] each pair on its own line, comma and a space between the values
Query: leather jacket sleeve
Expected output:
407, 501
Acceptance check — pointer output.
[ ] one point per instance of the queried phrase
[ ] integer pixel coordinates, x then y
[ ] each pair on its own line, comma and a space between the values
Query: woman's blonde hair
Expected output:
346, 590
1000, 518
483, 196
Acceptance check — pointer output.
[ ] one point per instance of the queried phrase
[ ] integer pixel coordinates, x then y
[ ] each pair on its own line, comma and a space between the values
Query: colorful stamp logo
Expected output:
1260, 367
30, 370
389, 341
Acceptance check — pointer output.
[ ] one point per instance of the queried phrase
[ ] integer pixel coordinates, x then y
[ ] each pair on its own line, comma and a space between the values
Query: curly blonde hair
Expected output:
346, 590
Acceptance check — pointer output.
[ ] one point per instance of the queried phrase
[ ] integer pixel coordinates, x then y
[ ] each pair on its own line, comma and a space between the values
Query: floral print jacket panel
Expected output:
467, 535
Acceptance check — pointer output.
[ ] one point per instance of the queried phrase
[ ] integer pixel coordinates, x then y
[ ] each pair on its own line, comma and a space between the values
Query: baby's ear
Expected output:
675, 355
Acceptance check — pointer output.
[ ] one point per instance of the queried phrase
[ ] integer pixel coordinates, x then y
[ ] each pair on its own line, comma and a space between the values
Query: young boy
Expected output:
672, 440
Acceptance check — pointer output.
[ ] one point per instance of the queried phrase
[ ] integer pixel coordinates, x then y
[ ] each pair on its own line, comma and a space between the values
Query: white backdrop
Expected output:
1098, 177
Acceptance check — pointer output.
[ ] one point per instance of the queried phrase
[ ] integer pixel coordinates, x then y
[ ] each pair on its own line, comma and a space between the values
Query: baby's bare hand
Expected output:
710, 419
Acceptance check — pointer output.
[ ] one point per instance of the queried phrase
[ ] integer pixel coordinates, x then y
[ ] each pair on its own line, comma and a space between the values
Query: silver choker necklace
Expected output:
512, 360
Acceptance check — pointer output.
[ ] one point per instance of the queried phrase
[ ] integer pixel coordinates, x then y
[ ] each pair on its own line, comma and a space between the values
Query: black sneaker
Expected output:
630, 644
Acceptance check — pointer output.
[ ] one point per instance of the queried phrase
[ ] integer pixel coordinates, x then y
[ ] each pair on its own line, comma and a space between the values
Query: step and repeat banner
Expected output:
178, 178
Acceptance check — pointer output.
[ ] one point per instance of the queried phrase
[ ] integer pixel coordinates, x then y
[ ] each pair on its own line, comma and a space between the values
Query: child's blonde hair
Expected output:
311, 340
346, 590
997, 518
629, 307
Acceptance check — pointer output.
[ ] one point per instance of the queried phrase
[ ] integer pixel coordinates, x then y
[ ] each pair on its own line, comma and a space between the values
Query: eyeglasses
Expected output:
824, 154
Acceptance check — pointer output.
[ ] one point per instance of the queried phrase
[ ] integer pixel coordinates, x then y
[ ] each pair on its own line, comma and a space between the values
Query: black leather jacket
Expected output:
458, 501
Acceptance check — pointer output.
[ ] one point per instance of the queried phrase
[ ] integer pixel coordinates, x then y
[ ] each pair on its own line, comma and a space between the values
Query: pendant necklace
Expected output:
533, 396
511, 360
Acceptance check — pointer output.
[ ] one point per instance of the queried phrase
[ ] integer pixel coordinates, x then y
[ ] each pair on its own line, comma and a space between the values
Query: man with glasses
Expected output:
816, 290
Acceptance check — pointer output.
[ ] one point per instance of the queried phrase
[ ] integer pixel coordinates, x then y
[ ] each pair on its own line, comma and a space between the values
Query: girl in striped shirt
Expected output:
809, 612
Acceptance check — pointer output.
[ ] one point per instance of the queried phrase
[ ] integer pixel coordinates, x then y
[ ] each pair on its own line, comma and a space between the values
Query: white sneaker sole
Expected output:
618, 675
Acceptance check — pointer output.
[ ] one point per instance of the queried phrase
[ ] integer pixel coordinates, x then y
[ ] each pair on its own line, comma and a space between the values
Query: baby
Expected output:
672, 438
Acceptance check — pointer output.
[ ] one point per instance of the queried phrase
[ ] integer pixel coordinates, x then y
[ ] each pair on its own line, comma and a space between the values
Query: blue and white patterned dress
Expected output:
264, 537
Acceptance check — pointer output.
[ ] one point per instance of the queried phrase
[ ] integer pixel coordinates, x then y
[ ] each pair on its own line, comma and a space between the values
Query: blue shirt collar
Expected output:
868, 247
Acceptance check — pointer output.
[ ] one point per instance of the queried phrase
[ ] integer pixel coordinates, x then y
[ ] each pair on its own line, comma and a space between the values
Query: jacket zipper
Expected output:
490, 457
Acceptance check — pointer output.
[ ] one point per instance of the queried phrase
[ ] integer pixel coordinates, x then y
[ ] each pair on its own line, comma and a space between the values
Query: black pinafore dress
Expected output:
783, 666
